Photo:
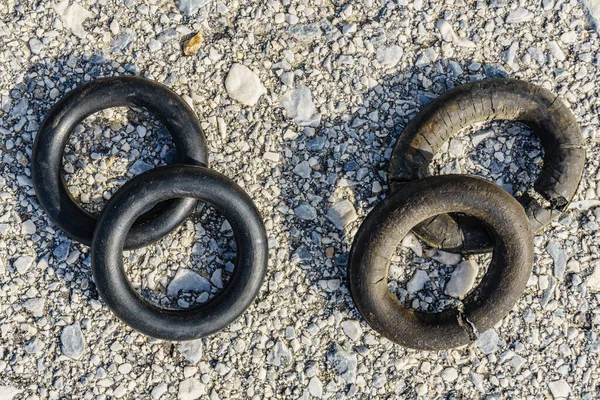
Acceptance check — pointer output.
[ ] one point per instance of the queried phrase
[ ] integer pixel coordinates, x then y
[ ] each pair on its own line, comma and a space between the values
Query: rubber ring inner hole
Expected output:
424, 279
110, 147
189, 266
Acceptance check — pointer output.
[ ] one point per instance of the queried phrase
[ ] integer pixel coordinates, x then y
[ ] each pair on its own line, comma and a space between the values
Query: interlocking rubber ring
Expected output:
160, 184
493, 99
73, 108
385, 227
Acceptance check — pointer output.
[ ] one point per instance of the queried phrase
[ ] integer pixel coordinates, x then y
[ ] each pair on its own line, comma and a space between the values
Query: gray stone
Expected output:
35, 306
191, 350
191, 7
280, 355
352, 329
300, 107
559, 255
560, 389
140, 166
462, 279
342, 213
417, 282
191, 389
73, 16
23, 263
72, 341
302, 169
488, 341
306, 211
389, 56
187, 280
35, 46
61, 252
343, 363
315, 387
519, 15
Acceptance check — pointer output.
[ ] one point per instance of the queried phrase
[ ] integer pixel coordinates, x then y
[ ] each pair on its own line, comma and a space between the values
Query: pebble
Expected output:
140, 166
447, 258
72, 341
445, 30
280, 355
300, 107
519, 15
389, 56
449, 374
35, 306
8, 392
73, 16
417, 282
559, 255
191, 7
243, 85
410, 241
342, 213
302, 169
488, 341
315, 387
462, 279
306, 211
28, 228
352, 329
191, 389
343, 363
191, 350
188, 280
560, 389
192, 45
23, 263
159, 390
35, 46
556, 51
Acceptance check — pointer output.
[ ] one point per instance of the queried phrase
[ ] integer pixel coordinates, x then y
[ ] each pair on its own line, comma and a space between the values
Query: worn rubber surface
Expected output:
161, 184
488, 100
72, 109
387, 224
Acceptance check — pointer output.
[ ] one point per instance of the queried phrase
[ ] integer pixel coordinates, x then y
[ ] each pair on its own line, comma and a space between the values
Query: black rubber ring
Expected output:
493, 99
387, 224
170, 182
73, 108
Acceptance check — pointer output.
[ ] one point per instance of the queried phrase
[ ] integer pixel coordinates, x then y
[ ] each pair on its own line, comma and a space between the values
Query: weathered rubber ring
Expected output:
487, 100
387, 224
73, 108
170, 182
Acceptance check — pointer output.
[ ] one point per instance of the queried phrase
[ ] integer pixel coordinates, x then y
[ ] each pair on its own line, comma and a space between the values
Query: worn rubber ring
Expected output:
73, 108
160, 184
386, 225
487, 100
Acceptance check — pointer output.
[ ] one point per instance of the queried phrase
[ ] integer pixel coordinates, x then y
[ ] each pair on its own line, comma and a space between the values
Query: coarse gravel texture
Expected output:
350, 74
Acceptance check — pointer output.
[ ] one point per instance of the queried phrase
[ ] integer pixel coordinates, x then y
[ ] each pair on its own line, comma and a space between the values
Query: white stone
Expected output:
488, 341
35, 306
186, 279
190, 389
412, 242
421, 389
560, 389
445, 30
279, 355
191, 7
315, 387
568, 37
447, 258
417, 282
559, 255
23, 263
449, 374
159, 390
389, 56
8, 392
243, 85
519, 15
342, 213
72, 341
352, 329
73, 16
191, 350
462, 279
300, 107
556, 51
593, 281
593, 7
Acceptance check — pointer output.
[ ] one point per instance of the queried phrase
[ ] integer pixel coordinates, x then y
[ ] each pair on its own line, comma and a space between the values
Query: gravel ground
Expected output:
330, 87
